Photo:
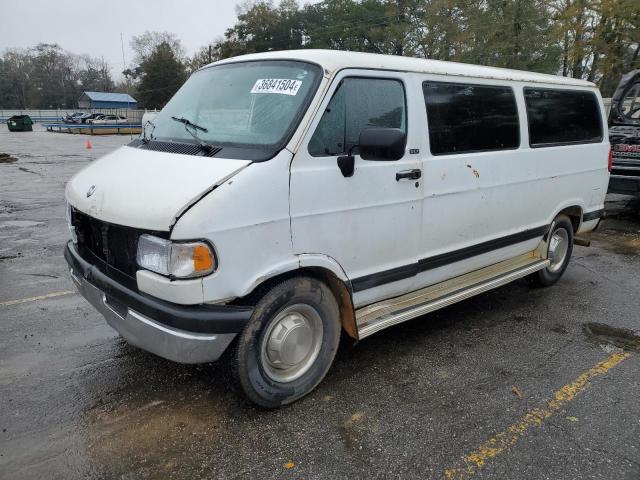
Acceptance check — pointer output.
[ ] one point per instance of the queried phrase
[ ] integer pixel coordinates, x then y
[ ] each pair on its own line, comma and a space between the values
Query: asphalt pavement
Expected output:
517, 383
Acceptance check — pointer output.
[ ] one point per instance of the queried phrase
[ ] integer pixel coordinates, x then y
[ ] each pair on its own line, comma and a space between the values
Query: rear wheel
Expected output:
560, 247
289, 343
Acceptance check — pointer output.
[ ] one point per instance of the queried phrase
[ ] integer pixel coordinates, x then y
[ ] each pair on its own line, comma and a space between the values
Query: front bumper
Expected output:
185, 334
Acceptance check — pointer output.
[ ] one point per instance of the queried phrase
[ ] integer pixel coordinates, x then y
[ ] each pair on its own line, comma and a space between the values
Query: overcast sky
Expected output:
94, 27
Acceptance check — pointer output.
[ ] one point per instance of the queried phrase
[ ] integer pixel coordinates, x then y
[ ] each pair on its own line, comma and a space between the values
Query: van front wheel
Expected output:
560, 247
289, 343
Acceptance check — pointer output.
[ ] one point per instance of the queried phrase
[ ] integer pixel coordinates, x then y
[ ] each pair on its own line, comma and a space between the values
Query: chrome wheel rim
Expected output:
292, 343
558, 248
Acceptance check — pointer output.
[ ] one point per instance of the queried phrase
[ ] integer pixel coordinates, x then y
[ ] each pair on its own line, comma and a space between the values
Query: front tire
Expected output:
289, 343
560, 248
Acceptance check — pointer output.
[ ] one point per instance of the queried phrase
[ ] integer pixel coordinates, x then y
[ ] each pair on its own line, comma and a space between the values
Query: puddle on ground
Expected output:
618, 337
151, 432
618, 236
6, 158
20, 223
622, 243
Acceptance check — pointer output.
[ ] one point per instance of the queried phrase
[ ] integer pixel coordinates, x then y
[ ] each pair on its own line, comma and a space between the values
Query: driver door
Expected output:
370, 222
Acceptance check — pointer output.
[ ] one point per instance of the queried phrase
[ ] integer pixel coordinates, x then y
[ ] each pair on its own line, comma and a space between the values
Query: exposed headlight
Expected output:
72, 229
175, 259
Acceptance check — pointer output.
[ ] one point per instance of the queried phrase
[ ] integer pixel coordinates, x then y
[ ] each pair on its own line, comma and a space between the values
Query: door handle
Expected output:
413, 174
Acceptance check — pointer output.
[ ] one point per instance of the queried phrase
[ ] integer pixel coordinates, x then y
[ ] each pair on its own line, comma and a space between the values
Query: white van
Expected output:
282, 198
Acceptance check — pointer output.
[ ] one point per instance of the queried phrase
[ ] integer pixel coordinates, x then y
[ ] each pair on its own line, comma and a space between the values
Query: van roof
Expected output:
334, 60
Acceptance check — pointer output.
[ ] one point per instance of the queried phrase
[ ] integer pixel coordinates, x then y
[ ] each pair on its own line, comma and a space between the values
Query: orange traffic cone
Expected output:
88, 145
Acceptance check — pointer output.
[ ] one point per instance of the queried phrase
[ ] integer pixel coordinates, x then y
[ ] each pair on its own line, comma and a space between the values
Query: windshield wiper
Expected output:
188, 124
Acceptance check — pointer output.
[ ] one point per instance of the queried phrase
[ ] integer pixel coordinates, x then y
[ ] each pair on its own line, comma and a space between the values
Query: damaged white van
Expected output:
282, 198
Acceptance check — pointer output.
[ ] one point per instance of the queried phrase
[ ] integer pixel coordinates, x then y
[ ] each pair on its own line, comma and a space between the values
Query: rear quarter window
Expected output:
562, 117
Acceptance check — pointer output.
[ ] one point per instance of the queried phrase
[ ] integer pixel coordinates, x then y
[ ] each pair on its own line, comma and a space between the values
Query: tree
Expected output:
205, 55
15, 74
510, 34
146, 44
46, 76
95, 75
348, 25
262, 27
145, 78
598, 39
162, 74
616, 42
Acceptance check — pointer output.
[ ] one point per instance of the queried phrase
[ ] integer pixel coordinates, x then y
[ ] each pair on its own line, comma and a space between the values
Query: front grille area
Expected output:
113, 244
623, 155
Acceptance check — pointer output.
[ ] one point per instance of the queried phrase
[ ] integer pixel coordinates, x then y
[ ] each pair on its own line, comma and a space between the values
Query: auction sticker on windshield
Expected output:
283, 86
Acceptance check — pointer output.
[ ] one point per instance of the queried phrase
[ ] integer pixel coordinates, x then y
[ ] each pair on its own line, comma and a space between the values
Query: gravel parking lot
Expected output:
515, 383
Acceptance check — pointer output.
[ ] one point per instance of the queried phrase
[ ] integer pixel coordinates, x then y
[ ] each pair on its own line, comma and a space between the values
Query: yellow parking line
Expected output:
501, 442
39, 297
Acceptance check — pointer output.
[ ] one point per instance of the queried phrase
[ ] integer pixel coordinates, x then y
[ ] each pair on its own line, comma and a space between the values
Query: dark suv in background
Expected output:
624, 135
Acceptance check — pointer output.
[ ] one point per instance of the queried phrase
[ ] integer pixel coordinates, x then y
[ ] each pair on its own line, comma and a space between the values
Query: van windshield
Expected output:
251, 105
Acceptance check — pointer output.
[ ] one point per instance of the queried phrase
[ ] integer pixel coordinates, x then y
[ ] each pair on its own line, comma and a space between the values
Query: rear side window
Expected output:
561, 117
358, 103
470, 118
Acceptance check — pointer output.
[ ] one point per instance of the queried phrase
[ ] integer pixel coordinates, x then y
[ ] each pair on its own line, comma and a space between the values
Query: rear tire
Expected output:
560, 248
290, 342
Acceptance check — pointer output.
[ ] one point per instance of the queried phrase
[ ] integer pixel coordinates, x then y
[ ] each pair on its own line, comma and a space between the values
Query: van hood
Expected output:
146, 189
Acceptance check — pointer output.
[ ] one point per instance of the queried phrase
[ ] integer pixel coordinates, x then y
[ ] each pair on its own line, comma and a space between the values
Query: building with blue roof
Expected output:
107, 100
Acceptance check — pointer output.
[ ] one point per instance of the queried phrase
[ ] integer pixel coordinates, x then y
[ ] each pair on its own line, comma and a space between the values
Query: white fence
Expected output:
52, 116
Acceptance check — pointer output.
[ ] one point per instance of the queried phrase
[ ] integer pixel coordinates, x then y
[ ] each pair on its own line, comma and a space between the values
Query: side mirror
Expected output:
382, 143
375, 144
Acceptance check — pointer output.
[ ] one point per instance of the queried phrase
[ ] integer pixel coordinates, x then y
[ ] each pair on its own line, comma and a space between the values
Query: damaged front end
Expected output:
130, 195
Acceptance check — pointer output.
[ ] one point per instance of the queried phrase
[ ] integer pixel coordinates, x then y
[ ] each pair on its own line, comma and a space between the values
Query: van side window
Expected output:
358, 103
470, 118
560, 117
